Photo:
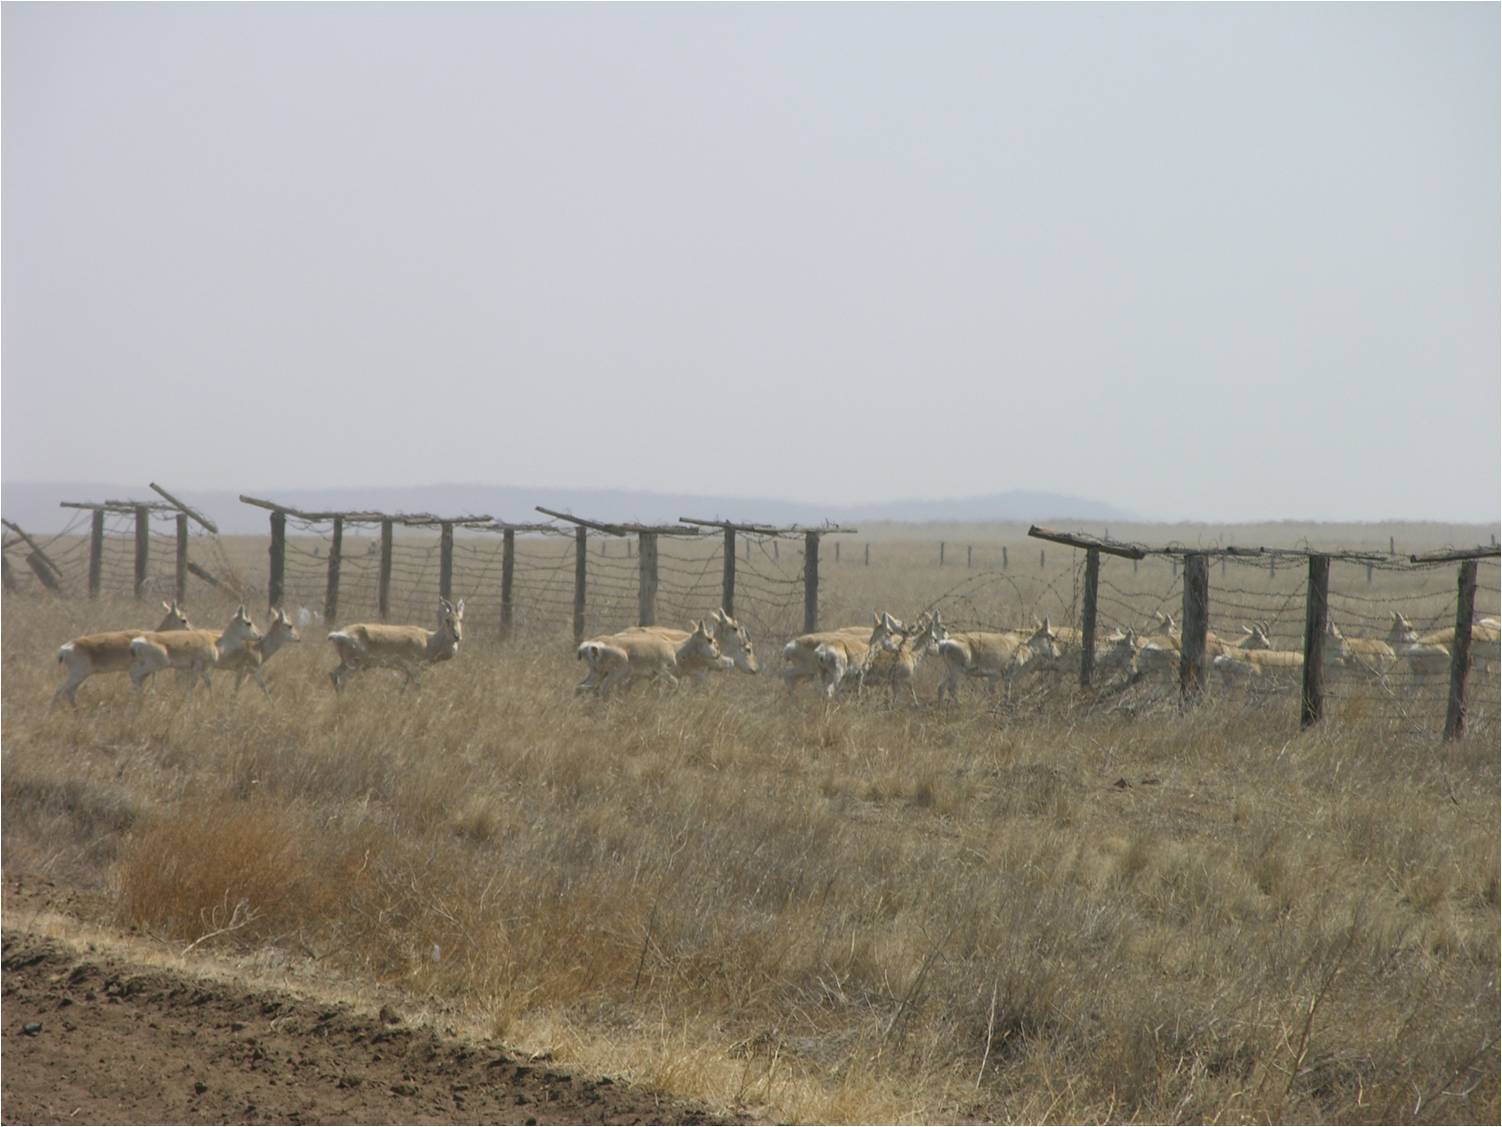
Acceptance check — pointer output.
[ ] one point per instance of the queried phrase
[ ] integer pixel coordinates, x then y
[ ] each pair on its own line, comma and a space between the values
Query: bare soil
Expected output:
90, 1037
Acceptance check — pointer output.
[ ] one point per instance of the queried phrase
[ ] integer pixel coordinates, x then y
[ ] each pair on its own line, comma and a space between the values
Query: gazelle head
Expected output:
734, 642
177, 618
239, 631
451, 617
701, 644
1043, 645
1256, 637
1166, 622
281, 630
888, 633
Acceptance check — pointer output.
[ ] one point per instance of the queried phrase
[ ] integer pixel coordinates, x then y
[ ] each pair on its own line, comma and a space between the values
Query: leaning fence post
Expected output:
446, 560
646, 579
383, 582
180, 578
1316, 625
143, 548
581, 557
278, 559
508, 572
727, 587
96, 551
331, 591
1460, 654
1196, 625
1087, 641
810, 582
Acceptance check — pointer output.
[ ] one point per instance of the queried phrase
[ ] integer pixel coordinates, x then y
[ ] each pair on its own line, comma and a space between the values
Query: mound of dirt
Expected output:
88, 1038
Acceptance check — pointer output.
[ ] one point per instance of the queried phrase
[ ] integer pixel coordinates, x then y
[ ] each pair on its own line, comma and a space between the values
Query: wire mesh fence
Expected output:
1388, 657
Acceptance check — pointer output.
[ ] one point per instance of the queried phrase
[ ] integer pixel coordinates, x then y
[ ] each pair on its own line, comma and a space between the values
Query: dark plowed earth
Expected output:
89, 1039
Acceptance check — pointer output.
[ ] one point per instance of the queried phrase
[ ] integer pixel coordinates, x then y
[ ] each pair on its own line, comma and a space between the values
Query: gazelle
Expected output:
194, 652
898, 650
106, 653
736, 648
406, 649
617, 660
248, 660
992, 656
845, 651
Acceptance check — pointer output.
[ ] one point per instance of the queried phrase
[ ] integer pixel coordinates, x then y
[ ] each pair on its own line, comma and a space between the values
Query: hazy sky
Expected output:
1199, 261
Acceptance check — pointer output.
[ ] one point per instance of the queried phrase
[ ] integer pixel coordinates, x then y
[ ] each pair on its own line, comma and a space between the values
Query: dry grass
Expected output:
837, 913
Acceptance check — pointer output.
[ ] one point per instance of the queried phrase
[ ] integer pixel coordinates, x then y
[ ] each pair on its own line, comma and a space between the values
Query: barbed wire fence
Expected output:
1389, 654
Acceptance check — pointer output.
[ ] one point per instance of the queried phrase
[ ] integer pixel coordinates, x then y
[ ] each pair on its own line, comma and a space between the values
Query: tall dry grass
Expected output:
830, 913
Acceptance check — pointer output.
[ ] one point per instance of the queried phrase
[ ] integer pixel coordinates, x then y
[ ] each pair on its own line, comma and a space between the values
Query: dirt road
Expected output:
89, 1038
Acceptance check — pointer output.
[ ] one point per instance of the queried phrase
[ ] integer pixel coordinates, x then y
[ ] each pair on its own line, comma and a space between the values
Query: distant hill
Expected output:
34, 505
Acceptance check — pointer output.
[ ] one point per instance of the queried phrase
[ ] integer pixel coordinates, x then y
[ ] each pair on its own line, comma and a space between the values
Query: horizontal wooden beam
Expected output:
1448, 555
598, 526
1085, 540
119, 506
735, 525
187, 508
514, 526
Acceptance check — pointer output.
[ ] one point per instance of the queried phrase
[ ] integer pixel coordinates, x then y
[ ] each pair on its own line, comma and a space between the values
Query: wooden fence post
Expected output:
43, 572
180, 577
1003, 557
810, 582
836, 551
727, 586
646, 579
1196, 625
775, 554
96, 551
331, 590
1316, 624
383, 583
1042, 559
6, 575
446, 560
868, 554
277, 581
1087, 640
941, 553
581, 575
969, 555
143, 548
1460, 653
508, 572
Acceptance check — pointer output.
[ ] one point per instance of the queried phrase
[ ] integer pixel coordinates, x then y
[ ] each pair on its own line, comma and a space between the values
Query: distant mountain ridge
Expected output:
34, 505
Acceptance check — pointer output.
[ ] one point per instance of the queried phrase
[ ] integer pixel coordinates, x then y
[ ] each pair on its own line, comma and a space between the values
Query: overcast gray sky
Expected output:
1199, 261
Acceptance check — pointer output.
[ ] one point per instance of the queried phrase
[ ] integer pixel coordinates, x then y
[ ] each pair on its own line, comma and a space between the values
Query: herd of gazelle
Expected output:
846, 657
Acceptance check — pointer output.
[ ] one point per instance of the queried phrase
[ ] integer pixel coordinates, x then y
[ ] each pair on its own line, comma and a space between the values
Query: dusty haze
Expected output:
1196, 262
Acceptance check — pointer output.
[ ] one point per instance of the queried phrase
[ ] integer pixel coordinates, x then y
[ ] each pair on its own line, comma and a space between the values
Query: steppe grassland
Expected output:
846, 912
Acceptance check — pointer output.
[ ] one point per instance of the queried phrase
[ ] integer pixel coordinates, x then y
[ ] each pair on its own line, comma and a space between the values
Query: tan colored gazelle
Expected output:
406, 649
106, 653
898, 650
844, 653
1369, 655
193, 652
736, 648
618, 660
992, 656
248, 660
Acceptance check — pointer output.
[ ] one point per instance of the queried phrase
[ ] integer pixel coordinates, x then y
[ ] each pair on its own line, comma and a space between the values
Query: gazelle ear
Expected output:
460, 608
167, 607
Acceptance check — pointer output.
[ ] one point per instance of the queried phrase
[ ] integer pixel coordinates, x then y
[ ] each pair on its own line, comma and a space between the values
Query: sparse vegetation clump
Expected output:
847, 911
